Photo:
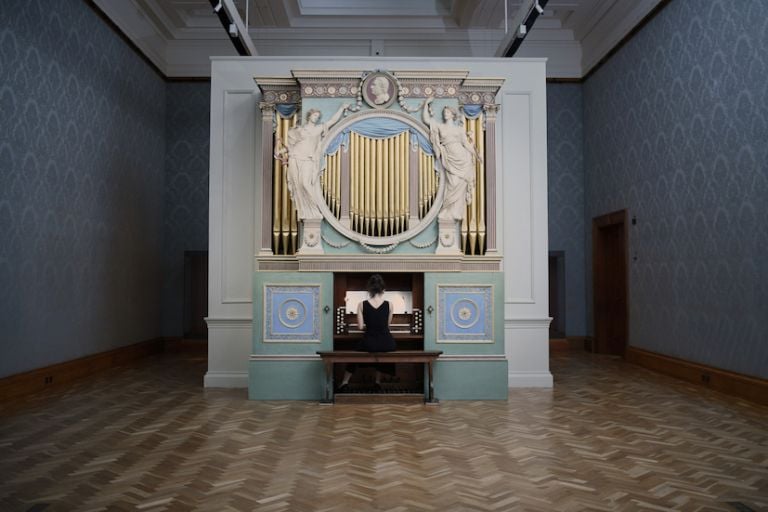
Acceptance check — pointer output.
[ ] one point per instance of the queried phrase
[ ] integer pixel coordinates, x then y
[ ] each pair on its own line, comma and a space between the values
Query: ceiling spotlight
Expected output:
217, 8
522, 30
538, 7
232, 30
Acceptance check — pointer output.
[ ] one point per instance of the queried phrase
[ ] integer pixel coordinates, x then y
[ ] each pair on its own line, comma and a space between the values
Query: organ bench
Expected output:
398, 356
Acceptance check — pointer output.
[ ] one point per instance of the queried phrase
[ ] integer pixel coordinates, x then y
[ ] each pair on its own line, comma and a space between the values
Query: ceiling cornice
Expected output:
575, 35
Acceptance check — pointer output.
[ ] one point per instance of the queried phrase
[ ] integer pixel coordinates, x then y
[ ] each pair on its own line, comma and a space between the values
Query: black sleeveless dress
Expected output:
377, 337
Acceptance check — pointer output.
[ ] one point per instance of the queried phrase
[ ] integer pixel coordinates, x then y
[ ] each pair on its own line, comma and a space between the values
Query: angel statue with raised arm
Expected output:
303, 143
457, 154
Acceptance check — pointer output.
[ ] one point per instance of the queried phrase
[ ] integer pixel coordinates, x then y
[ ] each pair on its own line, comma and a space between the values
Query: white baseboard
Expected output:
226, 380
530, 380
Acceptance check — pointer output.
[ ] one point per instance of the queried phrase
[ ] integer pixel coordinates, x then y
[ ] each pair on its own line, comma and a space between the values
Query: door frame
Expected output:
616, 218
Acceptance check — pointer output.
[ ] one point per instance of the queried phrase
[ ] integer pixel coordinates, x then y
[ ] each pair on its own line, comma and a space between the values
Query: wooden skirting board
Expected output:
21, 384
743, 386
570, 343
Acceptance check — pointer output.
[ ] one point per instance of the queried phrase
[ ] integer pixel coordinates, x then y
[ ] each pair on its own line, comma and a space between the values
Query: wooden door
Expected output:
195, 294
557, 294
610, 283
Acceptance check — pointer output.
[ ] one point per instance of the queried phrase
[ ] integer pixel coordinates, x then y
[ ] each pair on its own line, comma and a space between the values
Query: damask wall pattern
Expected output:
676, 130
565, 195
185, 215
81, 186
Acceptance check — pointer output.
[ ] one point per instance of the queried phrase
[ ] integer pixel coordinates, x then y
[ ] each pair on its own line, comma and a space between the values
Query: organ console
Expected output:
405, 291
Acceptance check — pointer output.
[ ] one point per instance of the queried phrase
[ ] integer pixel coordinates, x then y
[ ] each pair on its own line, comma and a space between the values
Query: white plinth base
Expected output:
448, 237
310, 237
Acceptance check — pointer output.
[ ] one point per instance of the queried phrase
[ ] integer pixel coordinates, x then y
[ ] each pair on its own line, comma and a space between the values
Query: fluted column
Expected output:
491, 111
267, 150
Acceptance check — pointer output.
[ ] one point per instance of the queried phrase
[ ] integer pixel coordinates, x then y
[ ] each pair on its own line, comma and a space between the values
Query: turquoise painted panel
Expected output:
292, 299
471, 281
470, 380
285, 380
464, 313
292, 313
336, 243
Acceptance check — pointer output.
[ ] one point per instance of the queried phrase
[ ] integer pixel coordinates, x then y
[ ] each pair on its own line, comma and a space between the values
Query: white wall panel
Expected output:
521, 202
238, 195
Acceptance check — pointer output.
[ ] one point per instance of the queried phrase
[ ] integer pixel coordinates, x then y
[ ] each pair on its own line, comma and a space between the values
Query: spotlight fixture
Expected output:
230, 19
536, 9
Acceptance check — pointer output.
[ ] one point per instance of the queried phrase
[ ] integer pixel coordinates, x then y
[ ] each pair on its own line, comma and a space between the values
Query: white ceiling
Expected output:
179, 36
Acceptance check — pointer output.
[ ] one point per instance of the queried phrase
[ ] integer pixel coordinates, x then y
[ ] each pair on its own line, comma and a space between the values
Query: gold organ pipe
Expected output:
337, 182
473, 206
361, 186
395, 204
367, 184
405, 197
391, 187
285, 203
324, 178
352, 178
433, 178
423, 183
377, 188
385, 187
399, 182
332, 185
403, 179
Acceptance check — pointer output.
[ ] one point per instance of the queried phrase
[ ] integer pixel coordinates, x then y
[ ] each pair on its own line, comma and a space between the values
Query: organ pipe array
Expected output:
379, 184
379, 195
473, 229
285, 230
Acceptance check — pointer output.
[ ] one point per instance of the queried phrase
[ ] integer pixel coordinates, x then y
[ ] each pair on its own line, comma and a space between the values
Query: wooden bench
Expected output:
398, 356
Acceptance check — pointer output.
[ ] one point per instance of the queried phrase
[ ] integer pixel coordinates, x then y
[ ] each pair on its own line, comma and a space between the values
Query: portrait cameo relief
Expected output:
379, 90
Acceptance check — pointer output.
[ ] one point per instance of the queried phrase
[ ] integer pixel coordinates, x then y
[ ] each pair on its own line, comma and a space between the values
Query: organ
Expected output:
378, 175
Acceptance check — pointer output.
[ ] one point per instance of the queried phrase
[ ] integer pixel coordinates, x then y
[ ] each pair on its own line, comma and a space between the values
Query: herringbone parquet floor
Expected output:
610, 436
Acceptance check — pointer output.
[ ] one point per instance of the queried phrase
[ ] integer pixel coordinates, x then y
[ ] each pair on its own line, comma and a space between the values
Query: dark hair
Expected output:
375, 285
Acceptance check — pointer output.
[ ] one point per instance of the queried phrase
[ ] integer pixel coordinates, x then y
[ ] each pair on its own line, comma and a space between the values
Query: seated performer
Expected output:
373, 317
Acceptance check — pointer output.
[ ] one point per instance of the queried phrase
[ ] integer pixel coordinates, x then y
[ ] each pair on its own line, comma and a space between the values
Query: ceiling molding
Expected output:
179, 36
614, 24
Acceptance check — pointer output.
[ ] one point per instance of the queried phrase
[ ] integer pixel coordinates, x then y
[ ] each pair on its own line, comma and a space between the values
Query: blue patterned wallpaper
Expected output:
186, 190
676, 130
81, 186
565, 162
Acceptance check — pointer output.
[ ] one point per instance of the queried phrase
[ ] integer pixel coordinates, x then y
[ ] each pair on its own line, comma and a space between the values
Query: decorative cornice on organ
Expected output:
379, 263
346, 84
325, 75
276, 90
475, 91
431, 75
485, 84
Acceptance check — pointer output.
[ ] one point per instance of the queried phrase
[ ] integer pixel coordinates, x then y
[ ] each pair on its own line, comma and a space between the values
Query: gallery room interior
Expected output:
383, 255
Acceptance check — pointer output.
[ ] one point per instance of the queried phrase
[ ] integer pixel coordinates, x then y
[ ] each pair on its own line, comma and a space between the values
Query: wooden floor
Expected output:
608, 437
